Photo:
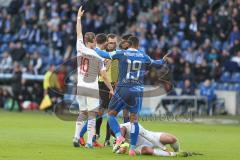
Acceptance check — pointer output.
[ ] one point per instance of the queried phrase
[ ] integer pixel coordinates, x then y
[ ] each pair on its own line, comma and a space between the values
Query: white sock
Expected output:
159, 152
79, 126
175, 146
91, 130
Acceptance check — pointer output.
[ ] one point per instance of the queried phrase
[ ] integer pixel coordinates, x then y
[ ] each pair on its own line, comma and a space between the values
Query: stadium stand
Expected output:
202, 36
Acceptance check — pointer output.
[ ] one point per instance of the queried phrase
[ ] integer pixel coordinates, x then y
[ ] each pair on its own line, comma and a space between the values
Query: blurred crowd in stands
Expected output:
203, 37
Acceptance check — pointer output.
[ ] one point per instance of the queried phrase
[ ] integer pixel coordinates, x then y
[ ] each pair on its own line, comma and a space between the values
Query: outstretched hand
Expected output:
166, 58
80, 12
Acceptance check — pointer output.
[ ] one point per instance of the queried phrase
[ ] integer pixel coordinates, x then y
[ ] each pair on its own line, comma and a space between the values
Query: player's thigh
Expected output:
134, 103
82, 103
156, 136
166, 138
92, 104
116, 103
87, 103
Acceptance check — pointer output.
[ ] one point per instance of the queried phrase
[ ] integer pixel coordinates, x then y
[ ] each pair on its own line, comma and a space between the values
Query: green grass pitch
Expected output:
37, 136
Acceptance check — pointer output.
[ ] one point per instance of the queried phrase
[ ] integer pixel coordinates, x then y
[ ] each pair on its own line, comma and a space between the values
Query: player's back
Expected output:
89, 66
132, 67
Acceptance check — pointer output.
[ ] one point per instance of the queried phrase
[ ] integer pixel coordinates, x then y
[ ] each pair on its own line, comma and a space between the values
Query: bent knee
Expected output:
168, 139
173, 140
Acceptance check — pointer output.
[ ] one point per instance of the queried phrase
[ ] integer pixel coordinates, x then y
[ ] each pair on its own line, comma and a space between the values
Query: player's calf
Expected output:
134, 133
91, 127
170, 139
79, 125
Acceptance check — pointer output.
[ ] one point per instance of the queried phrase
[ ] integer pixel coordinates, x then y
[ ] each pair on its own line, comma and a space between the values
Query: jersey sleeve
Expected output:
80, 46
158, 62
103, 54
151, 62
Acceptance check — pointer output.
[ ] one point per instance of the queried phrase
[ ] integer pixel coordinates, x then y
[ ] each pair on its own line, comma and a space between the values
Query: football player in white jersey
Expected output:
90, 65
151, 143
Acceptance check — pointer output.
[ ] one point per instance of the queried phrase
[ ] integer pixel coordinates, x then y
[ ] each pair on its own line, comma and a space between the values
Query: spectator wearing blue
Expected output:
165, 102
187, 90
207, 90
234, 35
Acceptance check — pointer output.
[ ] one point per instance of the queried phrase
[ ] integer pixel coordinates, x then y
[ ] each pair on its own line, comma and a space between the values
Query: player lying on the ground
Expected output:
145, 147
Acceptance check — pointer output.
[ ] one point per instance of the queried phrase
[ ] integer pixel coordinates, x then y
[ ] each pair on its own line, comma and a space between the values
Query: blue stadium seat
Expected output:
3, 48
215, 85
235, 77
231, 87
226, 77
219, 85
225, 86
7, 38
237, 87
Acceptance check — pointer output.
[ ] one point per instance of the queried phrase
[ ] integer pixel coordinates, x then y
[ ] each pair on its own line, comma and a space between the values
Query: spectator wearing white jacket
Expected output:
6, 63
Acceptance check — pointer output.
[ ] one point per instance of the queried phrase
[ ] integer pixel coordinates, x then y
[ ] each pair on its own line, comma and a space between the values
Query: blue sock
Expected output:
134, 134
126, 119
112, 121
94, 138
84, 130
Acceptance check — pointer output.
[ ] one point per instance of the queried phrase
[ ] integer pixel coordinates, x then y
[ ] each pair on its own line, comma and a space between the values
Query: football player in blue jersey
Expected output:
129, 91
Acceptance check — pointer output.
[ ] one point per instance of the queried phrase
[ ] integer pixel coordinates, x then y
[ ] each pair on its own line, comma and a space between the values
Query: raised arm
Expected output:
79, 25
161, 61
158, 62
